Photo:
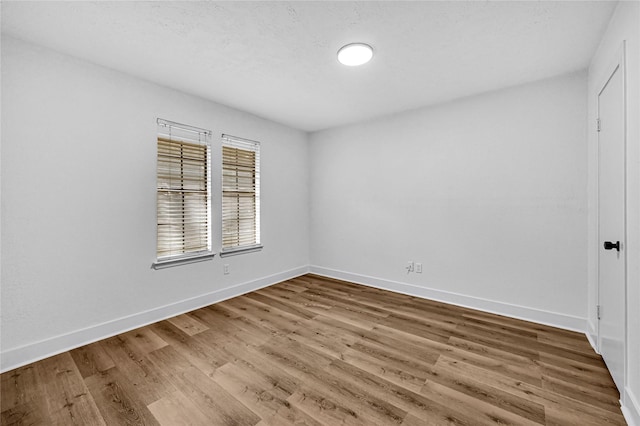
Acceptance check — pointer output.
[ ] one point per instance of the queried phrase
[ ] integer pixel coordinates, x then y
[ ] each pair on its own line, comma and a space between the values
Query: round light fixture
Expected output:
355, 54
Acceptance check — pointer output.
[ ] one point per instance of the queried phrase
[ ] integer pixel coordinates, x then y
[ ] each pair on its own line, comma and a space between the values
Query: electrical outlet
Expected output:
409, 266
226, 269
418, 268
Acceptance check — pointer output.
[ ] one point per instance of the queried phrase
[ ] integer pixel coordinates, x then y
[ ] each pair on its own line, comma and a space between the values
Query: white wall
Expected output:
488, 192
78, 203
624, 25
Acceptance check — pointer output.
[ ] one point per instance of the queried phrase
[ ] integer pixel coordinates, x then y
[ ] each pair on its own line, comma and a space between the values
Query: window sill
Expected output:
162, 264
243, 250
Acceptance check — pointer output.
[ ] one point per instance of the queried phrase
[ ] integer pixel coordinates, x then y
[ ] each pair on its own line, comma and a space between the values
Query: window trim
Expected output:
241, 250
195, 256
183, 260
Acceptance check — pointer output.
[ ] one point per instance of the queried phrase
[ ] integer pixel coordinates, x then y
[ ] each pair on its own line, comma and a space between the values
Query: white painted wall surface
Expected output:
624, 25
78, 203
487, 192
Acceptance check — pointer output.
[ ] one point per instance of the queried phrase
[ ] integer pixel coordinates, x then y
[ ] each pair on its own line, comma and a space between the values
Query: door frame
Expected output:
618, 63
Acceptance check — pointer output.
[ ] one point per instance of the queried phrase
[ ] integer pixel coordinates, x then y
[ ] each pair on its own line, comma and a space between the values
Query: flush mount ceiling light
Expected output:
355, 54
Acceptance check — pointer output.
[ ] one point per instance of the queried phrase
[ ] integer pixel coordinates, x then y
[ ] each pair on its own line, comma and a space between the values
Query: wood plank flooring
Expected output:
316, 351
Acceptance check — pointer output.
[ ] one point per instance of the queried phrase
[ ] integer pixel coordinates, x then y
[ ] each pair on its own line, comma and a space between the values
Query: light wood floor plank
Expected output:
19, 387
66, 396
178, 409
92, 359
321, 352
117, 399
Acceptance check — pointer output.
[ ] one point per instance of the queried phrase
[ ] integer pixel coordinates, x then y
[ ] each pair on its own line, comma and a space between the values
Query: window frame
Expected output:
247, 145
185, 134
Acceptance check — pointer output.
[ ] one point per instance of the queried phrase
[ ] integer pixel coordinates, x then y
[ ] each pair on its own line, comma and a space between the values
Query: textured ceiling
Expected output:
278, 59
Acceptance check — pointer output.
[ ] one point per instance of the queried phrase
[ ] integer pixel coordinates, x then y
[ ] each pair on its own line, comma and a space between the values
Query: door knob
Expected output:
608, 245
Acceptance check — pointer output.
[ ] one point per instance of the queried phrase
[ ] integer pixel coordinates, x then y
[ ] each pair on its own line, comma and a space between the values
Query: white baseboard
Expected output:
19, 356
554, 319
592, 336
630, 408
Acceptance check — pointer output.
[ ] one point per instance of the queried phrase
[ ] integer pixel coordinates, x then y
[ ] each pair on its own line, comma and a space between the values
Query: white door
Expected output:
611, 217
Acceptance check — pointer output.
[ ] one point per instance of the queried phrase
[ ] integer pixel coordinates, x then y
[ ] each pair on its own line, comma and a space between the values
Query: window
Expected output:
240, 195
183, 194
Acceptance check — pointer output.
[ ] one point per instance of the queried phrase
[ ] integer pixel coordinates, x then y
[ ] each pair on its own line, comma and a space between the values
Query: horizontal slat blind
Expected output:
240, 193
183, 191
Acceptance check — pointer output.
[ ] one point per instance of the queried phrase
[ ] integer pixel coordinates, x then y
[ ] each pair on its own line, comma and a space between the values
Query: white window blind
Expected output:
183, 193
240, 194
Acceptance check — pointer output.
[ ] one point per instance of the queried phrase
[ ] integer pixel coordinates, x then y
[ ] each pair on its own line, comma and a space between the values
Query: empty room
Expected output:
320, 213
